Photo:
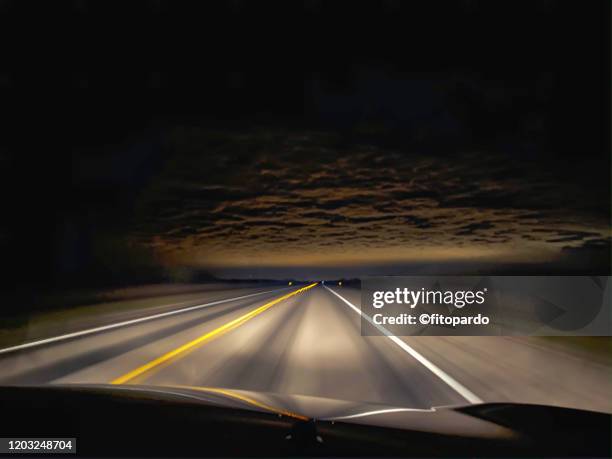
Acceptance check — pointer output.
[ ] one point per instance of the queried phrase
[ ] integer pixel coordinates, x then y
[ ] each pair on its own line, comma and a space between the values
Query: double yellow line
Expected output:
191, 345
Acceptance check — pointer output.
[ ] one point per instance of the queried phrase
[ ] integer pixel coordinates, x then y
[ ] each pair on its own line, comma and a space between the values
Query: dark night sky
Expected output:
302, 138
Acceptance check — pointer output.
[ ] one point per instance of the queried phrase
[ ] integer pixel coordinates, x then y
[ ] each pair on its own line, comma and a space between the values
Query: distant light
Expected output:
290, 283
340, 283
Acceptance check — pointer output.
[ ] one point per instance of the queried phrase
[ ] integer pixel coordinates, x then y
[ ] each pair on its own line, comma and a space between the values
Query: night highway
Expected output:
374, 228
308, 343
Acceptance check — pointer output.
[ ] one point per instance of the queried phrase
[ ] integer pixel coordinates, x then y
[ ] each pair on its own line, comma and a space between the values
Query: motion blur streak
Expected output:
125, 323
185, 348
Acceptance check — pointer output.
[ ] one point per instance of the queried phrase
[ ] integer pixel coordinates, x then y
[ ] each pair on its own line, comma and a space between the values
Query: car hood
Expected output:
166, 421
303, 407
512, 421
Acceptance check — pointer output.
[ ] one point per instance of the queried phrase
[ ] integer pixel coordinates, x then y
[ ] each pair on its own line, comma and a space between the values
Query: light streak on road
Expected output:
125, 323
181, 351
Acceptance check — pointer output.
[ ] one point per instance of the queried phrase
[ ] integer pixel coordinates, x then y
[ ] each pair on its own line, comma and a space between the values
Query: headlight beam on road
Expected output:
209, 336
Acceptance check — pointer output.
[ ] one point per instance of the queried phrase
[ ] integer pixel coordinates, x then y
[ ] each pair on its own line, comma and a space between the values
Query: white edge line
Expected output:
89, 331
448, 379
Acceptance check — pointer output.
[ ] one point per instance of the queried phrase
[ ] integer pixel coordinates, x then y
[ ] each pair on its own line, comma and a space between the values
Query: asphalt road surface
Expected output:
307, 342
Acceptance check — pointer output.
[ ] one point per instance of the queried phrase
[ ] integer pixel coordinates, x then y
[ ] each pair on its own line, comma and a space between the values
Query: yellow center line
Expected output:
181, 350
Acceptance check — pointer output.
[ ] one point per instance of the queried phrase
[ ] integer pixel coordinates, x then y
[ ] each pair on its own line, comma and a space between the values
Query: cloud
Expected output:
268, 197
472, 228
